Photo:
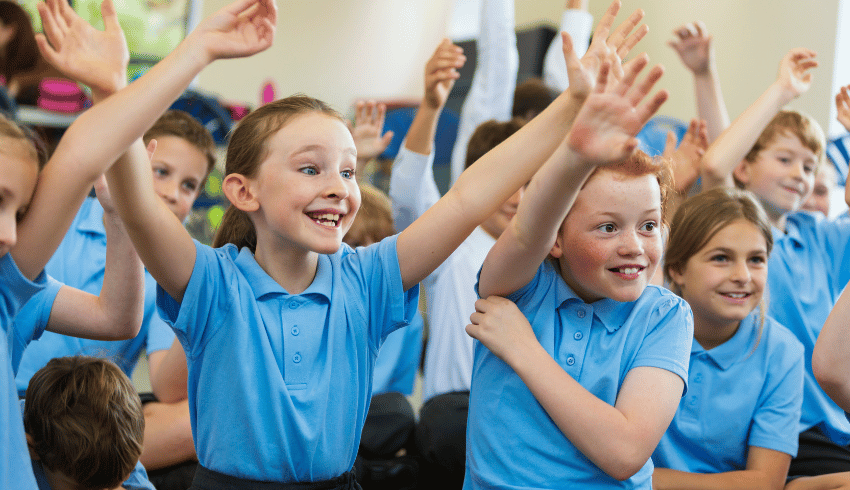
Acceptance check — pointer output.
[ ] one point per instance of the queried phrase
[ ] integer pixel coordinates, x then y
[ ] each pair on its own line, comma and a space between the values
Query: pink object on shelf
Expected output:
237, 112
58, 95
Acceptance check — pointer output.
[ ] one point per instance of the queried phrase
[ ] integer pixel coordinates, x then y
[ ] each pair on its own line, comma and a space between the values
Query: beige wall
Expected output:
338, 50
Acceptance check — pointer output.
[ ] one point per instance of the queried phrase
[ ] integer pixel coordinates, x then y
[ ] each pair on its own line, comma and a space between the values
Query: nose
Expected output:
167, 190
630, 244
741, 273
798, 171
336, 186
8, 232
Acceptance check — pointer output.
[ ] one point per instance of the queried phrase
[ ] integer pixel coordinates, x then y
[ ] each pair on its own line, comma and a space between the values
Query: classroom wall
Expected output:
339, 50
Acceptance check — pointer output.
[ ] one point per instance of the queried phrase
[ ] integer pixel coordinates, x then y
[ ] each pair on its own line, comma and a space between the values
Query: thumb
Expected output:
670, 145
387, 138
110, 17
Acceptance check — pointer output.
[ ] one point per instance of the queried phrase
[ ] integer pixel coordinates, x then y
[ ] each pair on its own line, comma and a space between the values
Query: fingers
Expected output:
51, 29
842, 99
632, 69
618, 38
604, 27
670, 144
110, 17
630, 42
651, 106
569, 51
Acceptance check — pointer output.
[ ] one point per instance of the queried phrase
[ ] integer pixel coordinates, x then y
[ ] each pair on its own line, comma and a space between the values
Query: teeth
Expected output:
326, 219
629, 270
736, 295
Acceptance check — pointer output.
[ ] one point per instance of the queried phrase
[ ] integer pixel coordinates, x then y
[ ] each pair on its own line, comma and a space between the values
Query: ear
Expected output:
151, 149
557, 249
31, 448
677, 277
742, 172
240, 192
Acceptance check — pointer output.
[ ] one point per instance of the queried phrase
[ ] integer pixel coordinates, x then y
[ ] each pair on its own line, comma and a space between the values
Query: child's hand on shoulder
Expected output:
97, 59
503, 328
604, 129
693, 45
795, 76
842, 104
243, 28
687, 157
441, 71
368, 124
603, 48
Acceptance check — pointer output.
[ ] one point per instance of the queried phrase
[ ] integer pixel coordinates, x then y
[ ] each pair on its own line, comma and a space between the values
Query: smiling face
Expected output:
305, 186
610, 242
724, 281
781, 175
179, 169
18, 175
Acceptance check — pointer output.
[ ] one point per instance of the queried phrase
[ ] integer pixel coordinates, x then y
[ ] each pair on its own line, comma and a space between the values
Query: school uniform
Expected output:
15, 290
279, 384
511, 440
138, 479
80, 262
745, 392
808, 268
31, 320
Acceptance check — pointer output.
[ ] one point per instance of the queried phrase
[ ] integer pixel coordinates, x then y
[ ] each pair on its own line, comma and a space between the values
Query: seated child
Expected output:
737, 427
826, 180
574, 385
84, 426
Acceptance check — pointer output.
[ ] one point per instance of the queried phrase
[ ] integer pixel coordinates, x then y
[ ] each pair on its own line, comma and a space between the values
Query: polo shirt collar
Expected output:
734, 349
612, 314
263, 284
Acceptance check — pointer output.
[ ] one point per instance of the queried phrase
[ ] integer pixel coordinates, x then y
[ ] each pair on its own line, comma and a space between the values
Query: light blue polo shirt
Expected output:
31, 321
741, 394
279, 384
80, 261
512, 442
15, 290
398, 359
808, 268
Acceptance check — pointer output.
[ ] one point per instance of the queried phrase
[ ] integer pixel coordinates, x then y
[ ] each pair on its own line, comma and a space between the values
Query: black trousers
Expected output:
212, 480
441, 440
818, 455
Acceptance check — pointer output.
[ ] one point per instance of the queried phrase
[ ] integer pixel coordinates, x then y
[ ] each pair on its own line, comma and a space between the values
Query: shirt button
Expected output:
577, 336
693, 402
295, 330
293, 305
580, 313
571, 360
296, 358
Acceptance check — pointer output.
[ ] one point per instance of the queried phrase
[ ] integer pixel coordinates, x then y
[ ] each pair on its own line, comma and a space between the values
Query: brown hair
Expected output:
531, 97
85, 420
21, 54
32, 145
182, 125
488, 135
374, 220
248, 147
798, 124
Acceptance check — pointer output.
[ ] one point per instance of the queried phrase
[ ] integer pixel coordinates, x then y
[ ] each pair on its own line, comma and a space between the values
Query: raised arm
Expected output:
831, 356
694, 46
243, 28
842, 104
685, 160
491, 94
412, 186
602, 134
117, 313
501, 172
578, 23
731, 147
368, 124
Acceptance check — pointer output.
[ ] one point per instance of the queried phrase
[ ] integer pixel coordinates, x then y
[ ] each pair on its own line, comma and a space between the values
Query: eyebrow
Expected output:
321, 149
730, 251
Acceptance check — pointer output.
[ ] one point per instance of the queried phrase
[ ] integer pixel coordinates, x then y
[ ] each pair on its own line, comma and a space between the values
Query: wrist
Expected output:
781, 94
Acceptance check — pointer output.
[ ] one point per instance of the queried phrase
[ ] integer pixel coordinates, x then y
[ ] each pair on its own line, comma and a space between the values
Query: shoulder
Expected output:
780, 342
662, 301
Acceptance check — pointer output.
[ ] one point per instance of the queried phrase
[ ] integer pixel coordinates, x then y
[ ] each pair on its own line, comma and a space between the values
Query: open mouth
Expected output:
736, 295
328, 220
627, 271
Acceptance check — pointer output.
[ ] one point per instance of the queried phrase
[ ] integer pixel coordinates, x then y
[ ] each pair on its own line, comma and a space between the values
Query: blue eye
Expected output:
309, 171
719, 258
160, 172
347, 174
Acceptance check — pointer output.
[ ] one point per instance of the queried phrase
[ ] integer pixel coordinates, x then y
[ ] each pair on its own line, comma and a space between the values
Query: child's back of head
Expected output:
84, 420
374, 220
531, 97
488, 135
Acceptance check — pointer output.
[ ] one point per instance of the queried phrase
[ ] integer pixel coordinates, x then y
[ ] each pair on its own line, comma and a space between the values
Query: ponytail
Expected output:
236, 228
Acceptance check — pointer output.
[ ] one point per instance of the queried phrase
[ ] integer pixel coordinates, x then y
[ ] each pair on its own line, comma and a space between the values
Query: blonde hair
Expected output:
374, 220
248, 148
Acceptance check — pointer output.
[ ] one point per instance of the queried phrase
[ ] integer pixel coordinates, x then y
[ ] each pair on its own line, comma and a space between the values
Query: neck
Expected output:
710, 334
294, 269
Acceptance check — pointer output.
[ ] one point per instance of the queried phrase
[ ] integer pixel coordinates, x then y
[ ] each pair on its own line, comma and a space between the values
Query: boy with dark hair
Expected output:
84, 426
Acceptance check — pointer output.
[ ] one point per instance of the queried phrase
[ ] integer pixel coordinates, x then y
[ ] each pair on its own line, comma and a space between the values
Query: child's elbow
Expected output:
626, 464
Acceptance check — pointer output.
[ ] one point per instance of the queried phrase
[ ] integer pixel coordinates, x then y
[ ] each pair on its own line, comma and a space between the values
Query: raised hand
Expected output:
103, 196
441, 71
604, 129
94, 58
842, 103
686, 158
795, 76
243, 28
368, 125
694, 47
501, 327
606, 47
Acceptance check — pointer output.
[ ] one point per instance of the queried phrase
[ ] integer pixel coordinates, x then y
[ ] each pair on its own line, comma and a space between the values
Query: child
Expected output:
308, 313
826, 180
592, 415
84, 426
737, 426
238, 30
775, 154
21, 66
388, 427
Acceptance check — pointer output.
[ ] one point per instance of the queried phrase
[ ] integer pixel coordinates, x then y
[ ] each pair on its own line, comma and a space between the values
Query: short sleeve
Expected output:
777, 418
669, 335
160, 335
206, 300
32, 319
138, 479
837, 242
